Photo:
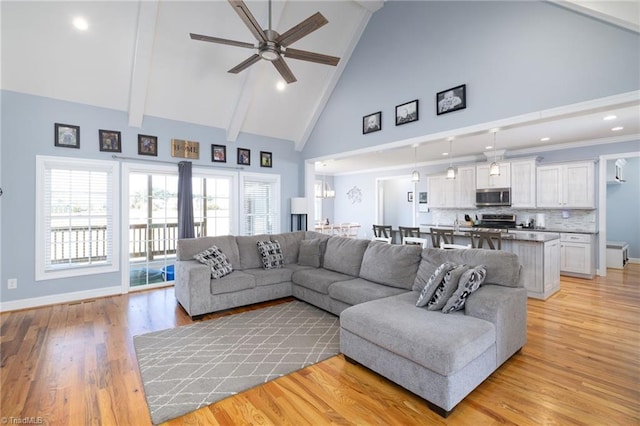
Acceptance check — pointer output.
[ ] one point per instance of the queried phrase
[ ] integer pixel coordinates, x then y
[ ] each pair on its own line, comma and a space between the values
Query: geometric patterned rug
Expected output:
188, 367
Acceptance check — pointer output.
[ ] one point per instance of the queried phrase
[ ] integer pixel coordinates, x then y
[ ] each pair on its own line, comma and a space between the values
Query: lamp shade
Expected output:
299, 205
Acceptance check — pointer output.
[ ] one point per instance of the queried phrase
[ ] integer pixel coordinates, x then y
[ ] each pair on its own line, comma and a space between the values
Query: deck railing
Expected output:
79, 244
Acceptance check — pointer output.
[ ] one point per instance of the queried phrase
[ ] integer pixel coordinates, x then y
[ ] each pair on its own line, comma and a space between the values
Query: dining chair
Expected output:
439, 235
492, 238
349, 229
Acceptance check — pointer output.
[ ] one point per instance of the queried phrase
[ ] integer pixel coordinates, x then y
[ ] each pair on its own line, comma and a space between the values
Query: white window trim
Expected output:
42, 163
265, 177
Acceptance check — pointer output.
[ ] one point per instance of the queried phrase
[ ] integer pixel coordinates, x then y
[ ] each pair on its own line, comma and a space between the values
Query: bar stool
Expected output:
382, 231
480, 237
446, 235
415, 240
406, 231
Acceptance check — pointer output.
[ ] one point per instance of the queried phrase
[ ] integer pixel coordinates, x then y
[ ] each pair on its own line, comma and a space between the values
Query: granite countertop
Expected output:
520, 235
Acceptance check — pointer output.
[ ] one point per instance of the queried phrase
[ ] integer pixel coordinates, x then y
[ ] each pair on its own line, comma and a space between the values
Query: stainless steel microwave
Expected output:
493, 197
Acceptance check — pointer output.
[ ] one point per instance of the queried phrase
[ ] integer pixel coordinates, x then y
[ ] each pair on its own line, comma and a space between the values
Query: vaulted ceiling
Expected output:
137, 56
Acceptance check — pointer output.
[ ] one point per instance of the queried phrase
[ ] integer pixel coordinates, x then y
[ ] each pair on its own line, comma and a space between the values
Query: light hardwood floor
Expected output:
75, 364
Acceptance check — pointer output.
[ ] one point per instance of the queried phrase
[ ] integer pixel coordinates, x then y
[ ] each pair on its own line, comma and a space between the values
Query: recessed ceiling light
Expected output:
488, 147
281, 85
445, 153
545, 139
617, 129
80, 23
610, 117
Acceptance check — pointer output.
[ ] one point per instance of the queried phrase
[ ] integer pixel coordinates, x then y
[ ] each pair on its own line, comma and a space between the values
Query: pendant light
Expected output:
494, 168
451, 172
325, 190
415, 175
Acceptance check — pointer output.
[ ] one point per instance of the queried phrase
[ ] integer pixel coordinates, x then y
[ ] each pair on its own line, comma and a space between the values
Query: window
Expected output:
260, 198
76, 215
212, 205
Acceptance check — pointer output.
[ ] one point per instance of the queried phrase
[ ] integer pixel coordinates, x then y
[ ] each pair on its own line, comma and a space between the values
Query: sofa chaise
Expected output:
374, 287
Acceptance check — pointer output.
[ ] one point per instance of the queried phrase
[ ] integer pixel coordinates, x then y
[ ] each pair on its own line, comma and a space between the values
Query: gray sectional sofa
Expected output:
373, 287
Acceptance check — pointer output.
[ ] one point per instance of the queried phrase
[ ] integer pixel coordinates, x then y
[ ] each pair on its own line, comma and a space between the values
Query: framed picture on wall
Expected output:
410, 197
218, 153
422, 197
407, 112
265, 159
244, 156
372, 122
109, 141
451, 99
67, 135
148, 145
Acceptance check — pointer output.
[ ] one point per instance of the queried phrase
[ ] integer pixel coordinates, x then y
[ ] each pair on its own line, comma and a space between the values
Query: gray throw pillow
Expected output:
434, 282
446, 289
470, 281
216, 260
310, 253
271, 254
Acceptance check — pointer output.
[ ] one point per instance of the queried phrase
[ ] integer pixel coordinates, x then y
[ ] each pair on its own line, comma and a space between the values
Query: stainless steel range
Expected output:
497, 221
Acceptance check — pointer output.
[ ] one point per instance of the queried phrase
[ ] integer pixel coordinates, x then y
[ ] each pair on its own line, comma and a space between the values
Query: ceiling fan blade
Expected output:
221, 41
284, 70
245, 64
304, 28
319, 58
247, 17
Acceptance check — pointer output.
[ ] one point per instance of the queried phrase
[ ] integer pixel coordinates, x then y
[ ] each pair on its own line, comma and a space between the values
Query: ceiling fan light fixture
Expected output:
269, 53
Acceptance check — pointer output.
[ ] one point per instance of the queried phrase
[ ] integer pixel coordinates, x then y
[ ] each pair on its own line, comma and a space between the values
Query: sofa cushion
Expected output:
216, 261
318, 279
311, 252
360, 290
247, 247
344, 255
235, 281
470, 281
271, 254
290, 244
503, 267
434, 282
446, 288
391, 264
441, 343
270, 276
188, 247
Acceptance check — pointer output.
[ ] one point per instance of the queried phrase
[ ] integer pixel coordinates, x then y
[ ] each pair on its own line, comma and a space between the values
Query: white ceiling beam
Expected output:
367, 10
141, 72
250, 83
625, 14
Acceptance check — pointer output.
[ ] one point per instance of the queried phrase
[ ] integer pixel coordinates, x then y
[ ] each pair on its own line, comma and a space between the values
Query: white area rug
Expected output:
188, 367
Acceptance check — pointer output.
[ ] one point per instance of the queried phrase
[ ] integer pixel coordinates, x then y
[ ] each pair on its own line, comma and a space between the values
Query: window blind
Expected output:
260, 197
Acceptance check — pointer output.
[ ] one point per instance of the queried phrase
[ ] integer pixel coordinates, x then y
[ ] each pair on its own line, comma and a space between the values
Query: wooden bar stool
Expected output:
492, 238
382, 231
406, 231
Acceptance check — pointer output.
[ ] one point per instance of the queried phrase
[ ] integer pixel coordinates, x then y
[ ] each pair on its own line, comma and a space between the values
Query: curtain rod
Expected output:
120, 157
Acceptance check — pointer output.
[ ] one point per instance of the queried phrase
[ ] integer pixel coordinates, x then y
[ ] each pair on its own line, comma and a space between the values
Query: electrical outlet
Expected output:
12, 283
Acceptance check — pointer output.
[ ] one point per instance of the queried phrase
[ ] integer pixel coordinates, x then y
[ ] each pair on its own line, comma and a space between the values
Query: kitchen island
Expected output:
539, 255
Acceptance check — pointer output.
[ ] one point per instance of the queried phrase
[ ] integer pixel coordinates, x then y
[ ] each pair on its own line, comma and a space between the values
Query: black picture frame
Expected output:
110, 140
372, 123
66, 135
450, 100
410, 196
244, 156
148, 145
218, 153
422, 197
407, 112
266, 159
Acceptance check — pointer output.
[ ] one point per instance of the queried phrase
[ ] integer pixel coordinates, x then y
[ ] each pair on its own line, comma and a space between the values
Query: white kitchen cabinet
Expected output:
442, 192
523, 184
466, 187
569, 185
450, 193
484, 181
577, 252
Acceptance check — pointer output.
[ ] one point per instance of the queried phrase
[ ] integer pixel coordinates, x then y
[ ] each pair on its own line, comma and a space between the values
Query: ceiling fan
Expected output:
271, 45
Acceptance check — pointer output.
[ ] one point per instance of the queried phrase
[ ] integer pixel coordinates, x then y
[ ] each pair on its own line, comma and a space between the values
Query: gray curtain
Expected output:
185, 201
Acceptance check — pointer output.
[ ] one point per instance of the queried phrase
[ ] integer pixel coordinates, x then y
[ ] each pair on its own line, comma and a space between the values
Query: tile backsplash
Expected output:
556, 220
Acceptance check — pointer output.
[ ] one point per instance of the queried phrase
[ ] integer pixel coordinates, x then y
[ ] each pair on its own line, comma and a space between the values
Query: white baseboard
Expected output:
56, 299
634, 260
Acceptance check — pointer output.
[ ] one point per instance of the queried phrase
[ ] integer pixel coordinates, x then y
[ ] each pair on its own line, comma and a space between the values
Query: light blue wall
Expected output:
623, 208
514, 57
27, 131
